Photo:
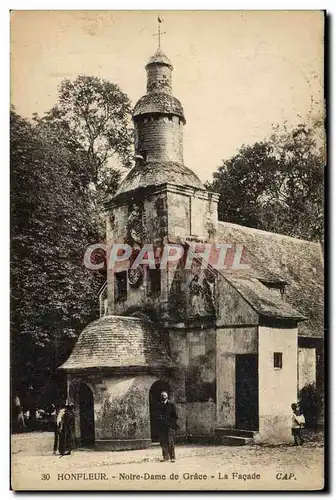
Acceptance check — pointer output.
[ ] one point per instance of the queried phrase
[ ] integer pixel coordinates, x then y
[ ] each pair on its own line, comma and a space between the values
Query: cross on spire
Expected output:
159, 33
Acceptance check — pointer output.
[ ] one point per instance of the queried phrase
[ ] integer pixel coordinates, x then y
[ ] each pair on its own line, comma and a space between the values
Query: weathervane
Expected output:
159, 33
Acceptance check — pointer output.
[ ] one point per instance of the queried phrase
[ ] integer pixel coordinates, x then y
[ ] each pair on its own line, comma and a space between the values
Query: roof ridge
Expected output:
279, 235
107, 316
273, 300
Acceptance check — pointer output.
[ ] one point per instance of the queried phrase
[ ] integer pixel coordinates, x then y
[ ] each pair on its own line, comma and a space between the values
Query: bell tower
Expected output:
158, 116
160, 201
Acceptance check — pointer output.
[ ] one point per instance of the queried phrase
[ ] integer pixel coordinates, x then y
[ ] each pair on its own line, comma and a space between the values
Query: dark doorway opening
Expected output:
154, 399
86, 415
247, 406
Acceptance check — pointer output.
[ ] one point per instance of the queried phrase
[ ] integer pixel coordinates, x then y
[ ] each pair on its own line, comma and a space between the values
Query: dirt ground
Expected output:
198, 467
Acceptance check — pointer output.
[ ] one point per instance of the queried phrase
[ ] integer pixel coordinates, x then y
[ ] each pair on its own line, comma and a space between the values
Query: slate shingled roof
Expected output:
159, 102
266, 302
276, 257
154, 173
118, 341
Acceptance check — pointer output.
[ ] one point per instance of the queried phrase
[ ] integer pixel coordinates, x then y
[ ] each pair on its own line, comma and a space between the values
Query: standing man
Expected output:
167, 424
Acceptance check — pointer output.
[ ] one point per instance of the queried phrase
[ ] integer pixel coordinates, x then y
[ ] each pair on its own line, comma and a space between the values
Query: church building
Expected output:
233, 346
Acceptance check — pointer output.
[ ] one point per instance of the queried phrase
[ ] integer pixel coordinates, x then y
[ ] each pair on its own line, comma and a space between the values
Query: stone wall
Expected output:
201, 419
148, 225
230, 342
178, 206
192, 216
204, 217
195, 380
150, 222
121, 410
232, 308
277, 386
160, 218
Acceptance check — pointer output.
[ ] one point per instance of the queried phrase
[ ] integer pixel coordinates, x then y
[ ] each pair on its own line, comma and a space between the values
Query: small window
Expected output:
144, 155
120, 286
159, 205
154, 282
278, 360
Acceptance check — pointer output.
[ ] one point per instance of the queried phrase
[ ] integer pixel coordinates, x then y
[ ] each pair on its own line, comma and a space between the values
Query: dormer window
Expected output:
275, 284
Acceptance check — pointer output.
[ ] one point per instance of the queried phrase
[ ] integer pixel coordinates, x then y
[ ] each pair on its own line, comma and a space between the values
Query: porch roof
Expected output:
118, 341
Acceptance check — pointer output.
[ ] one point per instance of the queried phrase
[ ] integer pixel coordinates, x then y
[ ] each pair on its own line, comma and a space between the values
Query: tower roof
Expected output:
159, 102
154, 173
160, 58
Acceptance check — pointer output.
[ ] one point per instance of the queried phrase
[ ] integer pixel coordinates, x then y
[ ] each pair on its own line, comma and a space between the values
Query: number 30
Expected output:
45, 477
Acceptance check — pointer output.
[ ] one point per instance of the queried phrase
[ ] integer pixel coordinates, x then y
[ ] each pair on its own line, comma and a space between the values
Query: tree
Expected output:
62, 167
52, 222
276, 184
95, 116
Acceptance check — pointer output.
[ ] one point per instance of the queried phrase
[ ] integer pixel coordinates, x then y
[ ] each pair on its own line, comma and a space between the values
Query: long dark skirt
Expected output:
66, 437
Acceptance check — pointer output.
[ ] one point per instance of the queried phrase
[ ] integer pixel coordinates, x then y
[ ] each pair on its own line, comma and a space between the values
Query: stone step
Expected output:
222, 431
234, 440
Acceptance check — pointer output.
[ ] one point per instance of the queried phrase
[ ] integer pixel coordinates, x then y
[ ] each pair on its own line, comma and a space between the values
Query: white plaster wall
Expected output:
277, 387
307, 366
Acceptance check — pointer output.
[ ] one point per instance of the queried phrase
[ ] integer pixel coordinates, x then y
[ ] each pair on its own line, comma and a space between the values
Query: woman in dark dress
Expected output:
66, 431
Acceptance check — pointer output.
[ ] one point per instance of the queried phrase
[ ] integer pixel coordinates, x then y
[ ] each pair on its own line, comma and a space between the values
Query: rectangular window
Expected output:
277, 359
120, 286
159, 206
154, 282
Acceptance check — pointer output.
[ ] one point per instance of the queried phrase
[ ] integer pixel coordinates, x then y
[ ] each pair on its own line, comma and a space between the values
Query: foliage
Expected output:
276, 184
311, 404
94, 116
52, 221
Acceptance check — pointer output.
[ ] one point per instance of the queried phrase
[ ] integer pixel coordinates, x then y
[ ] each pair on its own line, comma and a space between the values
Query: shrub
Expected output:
311, 404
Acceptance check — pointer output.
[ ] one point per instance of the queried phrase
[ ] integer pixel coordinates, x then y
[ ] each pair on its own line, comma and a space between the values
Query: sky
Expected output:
236, 73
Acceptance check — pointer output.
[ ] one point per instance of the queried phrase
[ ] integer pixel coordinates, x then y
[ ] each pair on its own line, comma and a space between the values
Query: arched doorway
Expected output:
86, 415
154, 399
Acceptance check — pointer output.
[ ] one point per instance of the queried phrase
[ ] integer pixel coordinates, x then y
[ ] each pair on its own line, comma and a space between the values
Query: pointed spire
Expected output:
159, 57
159, 32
